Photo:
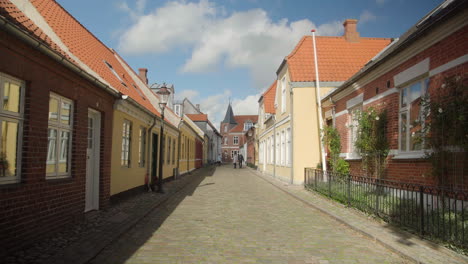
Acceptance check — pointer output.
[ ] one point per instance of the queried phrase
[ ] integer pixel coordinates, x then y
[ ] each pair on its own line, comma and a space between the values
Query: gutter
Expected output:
46, 50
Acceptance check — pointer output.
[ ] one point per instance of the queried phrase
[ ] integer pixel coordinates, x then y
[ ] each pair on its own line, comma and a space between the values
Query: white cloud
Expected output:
136, 12
366, 16
245, 39
190, 94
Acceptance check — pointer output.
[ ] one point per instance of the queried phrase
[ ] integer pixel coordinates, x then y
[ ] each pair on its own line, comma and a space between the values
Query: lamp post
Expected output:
163, 93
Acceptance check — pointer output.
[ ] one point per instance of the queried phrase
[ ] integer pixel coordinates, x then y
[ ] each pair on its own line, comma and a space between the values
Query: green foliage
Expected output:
342, 167
371, 140
332, 140
445, 132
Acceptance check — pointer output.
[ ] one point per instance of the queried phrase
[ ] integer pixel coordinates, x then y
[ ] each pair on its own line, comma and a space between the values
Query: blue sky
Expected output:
213, 51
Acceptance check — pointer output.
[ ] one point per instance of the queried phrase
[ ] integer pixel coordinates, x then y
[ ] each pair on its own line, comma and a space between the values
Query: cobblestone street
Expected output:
234, 216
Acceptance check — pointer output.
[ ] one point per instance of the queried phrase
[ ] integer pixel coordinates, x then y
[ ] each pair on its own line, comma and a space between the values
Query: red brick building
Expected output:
233, 131
252, 149
48, 102
410, 68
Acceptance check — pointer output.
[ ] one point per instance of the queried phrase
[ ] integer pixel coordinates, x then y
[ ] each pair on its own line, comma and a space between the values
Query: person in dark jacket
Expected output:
240, 159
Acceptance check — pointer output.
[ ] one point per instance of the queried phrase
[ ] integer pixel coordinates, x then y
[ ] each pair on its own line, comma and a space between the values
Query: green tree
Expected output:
332, 140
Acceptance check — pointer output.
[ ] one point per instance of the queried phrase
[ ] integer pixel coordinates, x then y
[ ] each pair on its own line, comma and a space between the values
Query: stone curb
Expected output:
358, 229
89, 247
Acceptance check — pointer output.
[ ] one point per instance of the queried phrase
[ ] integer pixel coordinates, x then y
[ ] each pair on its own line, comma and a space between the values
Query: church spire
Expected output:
229, 117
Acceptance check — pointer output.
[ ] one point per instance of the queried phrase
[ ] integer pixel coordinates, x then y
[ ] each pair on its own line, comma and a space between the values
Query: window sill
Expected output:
350, 156
9, 183
59, 179
409, 155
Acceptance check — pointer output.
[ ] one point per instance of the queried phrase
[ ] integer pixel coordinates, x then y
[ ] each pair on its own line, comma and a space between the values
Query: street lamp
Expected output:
163, 93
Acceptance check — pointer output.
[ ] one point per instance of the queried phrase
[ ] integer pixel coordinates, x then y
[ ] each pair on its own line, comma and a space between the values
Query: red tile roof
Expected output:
269, 98
198, 117
81, 43
337, 58
241, 119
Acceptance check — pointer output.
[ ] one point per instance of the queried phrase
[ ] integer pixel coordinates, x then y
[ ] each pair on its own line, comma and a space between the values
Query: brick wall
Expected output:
36, 206
410, 170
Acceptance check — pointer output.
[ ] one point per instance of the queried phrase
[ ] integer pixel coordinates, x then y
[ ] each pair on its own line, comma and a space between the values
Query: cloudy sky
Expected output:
216, 51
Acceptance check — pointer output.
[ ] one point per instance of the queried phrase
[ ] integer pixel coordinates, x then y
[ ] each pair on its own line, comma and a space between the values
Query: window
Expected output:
354, 126
277, 158
260, 152
173, 151
283, 148
288, 146
177, 109
11, 124
283, 94
410, 116
126, 143
142, 147
247, 125
272, 149
163, 149
236, 140
225, 141
59, 137
225, 128
169, 149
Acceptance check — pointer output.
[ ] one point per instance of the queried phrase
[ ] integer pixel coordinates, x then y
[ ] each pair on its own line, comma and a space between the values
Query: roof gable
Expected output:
269, 98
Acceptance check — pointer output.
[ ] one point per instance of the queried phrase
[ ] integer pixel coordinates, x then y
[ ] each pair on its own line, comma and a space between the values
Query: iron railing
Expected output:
430, 211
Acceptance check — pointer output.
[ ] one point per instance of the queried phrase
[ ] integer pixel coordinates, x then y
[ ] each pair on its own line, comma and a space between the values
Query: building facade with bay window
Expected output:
413, 69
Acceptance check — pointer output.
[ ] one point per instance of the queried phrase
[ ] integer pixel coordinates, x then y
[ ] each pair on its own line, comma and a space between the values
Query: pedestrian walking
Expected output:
234, 160
240, 159
219, 160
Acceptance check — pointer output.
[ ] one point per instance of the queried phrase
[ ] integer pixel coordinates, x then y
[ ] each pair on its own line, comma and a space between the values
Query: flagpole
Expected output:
319, 103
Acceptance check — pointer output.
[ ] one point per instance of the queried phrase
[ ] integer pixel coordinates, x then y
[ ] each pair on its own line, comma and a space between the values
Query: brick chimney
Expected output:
142, 72
350, 30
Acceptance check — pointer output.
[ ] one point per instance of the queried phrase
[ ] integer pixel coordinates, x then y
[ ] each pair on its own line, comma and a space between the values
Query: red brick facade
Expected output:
35, 206
413, 170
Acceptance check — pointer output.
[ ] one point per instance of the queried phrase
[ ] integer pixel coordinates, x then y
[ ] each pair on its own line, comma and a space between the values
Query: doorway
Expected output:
154, 157
92, 161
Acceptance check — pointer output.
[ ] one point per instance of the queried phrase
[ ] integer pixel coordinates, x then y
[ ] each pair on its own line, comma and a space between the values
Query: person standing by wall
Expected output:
234, 160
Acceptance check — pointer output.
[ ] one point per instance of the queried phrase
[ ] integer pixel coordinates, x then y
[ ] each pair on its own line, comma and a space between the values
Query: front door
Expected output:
92, 161
154, 159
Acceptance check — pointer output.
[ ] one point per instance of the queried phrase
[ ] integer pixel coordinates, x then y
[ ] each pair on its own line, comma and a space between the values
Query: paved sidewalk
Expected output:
236, 217
80, 241
403, 243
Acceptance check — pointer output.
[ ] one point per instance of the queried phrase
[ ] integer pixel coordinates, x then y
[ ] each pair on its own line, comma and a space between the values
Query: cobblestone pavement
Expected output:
236, 217
78, 241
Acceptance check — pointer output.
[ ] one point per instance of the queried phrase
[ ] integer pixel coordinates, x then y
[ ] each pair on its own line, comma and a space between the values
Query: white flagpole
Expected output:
319, 103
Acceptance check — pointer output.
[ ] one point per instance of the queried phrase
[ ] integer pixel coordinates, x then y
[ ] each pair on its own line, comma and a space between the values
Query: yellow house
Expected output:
136, 136
289, 136
189, 134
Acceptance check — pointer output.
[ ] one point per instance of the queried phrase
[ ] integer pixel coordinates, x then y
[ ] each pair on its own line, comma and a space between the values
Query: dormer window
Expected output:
248, 125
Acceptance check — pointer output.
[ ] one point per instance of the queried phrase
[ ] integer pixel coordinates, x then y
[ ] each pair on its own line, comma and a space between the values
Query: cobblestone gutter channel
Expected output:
81, 240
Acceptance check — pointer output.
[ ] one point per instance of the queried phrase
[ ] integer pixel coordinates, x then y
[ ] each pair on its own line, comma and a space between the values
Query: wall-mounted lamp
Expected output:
124, 96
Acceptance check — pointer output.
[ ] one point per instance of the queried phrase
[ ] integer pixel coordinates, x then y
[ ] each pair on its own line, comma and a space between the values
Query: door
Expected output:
154, 158
264, 152
92, 161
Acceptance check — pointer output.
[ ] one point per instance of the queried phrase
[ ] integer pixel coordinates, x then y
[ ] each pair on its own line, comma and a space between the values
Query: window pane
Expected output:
9, 149
11, 97
90, 132
415, 118
64, 149
53, 109
51, 149
65, 113
403, 120
404, 97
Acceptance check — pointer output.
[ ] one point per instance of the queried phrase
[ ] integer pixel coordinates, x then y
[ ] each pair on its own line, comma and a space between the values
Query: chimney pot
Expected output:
350, 30
142, 73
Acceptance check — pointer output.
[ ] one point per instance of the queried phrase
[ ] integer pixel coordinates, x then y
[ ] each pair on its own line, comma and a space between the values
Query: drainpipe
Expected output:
291, 122
319, 103
148, 155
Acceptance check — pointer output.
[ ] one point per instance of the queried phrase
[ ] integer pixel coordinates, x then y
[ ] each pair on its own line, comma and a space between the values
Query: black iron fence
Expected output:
430, 211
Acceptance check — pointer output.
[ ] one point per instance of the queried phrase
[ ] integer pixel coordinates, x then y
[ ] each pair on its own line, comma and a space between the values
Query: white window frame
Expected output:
407, 110
288, 146
226, 140
277, 150
126, 160
234, 152
283, 95
142, 146
60, 127
16, 118
247, 125
177, 109
272, 149
353, 128
235, 140
283, 148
